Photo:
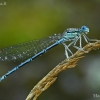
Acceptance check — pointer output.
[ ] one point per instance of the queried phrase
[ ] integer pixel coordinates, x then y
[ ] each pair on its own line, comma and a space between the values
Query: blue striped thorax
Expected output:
72, 33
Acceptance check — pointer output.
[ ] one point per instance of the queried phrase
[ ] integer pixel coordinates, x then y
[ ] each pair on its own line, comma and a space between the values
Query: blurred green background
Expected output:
25, 20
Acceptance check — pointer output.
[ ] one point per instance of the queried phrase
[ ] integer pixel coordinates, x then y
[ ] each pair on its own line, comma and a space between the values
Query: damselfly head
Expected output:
84, 29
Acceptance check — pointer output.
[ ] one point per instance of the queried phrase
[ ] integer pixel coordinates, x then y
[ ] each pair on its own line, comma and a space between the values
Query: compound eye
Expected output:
83, 27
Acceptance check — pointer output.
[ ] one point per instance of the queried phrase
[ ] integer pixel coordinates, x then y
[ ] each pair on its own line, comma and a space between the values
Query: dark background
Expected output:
25, 20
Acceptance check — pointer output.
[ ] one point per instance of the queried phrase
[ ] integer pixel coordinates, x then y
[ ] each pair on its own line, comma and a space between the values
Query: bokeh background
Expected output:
25, 20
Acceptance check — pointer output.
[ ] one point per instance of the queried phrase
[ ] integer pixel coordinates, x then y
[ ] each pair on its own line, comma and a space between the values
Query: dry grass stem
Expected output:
51, 77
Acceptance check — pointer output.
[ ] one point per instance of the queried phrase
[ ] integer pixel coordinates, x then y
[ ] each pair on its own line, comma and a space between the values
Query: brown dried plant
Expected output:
51, 77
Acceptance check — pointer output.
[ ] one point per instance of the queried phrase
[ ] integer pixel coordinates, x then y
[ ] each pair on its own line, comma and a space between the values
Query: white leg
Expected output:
80, 46
66, 50
80, 42
67, 47
66, 53
87, 39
